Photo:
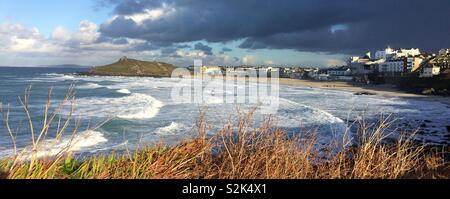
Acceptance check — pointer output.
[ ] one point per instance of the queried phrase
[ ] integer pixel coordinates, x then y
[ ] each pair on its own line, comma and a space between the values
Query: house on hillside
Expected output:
430, 70
436, 65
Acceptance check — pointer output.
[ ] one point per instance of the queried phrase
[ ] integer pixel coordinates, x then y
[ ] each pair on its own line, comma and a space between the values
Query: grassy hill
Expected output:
132, 67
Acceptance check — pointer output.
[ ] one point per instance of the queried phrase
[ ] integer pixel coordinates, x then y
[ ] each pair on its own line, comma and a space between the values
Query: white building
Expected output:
444, 59
341, 71
437, 65
407, 52
392, 66
390, 53
384, 54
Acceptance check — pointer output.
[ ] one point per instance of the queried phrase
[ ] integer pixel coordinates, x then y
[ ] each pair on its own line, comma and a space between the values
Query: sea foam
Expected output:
124, 91
134, 106
89, 86
51, 147
172, 128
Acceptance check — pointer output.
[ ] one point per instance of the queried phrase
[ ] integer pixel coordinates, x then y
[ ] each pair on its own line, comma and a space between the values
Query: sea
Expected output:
125, 113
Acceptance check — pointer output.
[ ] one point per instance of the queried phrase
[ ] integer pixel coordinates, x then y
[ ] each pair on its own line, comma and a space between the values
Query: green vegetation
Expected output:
240, 150
132, 67
245, 153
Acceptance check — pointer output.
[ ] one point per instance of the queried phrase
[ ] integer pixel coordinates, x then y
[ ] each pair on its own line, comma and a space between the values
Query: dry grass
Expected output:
241, 151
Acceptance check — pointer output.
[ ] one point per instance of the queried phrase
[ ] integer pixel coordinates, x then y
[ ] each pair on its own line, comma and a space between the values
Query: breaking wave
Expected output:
77, 143
172, 128
53, 77
66, 77
89, 86
308, 114
124, 91
134, 106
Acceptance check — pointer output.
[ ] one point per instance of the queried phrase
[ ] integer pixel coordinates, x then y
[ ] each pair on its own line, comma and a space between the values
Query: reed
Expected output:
240, 150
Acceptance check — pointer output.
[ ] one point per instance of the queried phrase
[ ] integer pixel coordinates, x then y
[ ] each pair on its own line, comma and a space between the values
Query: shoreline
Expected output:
384, 90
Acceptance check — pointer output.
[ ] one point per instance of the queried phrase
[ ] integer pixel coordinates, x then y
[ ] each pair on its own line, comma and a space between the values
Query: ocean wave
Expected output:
134, 106
77, 143
146, 83
330, 128
124, 91
172, 128
89, 86
53, 77
52, 74
66, 77
311, 115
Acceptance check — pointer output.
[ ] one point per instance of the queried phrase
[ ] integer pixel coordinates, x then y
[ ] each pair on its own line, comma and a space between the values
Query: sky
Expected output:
220, 32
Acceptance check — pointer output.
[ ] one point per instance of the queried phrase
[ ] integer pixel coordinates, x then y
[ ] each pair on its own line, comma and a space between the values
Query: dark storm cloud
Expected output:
125, 7
304, 25
168, 50
147, 46
341, 41
202, 47
181, 46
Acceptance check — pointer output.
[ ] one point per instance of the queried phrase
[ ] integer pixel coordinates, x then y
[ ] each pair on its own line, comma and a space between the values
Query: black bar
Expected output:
273, 188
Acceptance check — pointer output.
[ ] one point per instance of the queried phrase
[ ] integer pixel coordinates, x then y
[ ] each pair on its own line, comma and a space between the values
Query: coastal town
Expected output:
394, 66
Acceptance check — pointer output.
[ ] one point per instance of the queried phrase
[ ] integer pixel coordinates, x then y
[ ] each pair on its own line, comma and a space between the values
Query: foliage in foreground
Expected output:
239, 151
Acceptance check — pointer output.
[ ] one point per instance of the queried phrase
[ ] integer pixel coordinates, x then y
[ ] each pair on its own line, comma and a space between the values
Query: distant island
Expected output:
132, 67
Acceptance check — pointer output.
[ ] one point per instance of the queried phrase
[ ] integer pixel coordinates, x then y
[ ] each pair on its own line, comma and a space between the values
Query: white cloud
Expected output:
191, 54
150, 14
249, 60
21, 45
146, 15
87, 33
61, 34
17, 38
255, 60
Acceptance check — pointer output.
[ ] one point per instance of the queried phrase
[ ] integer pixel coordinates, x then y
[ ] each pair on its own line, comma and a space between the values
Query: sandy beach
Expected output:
382, 90
385, 90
